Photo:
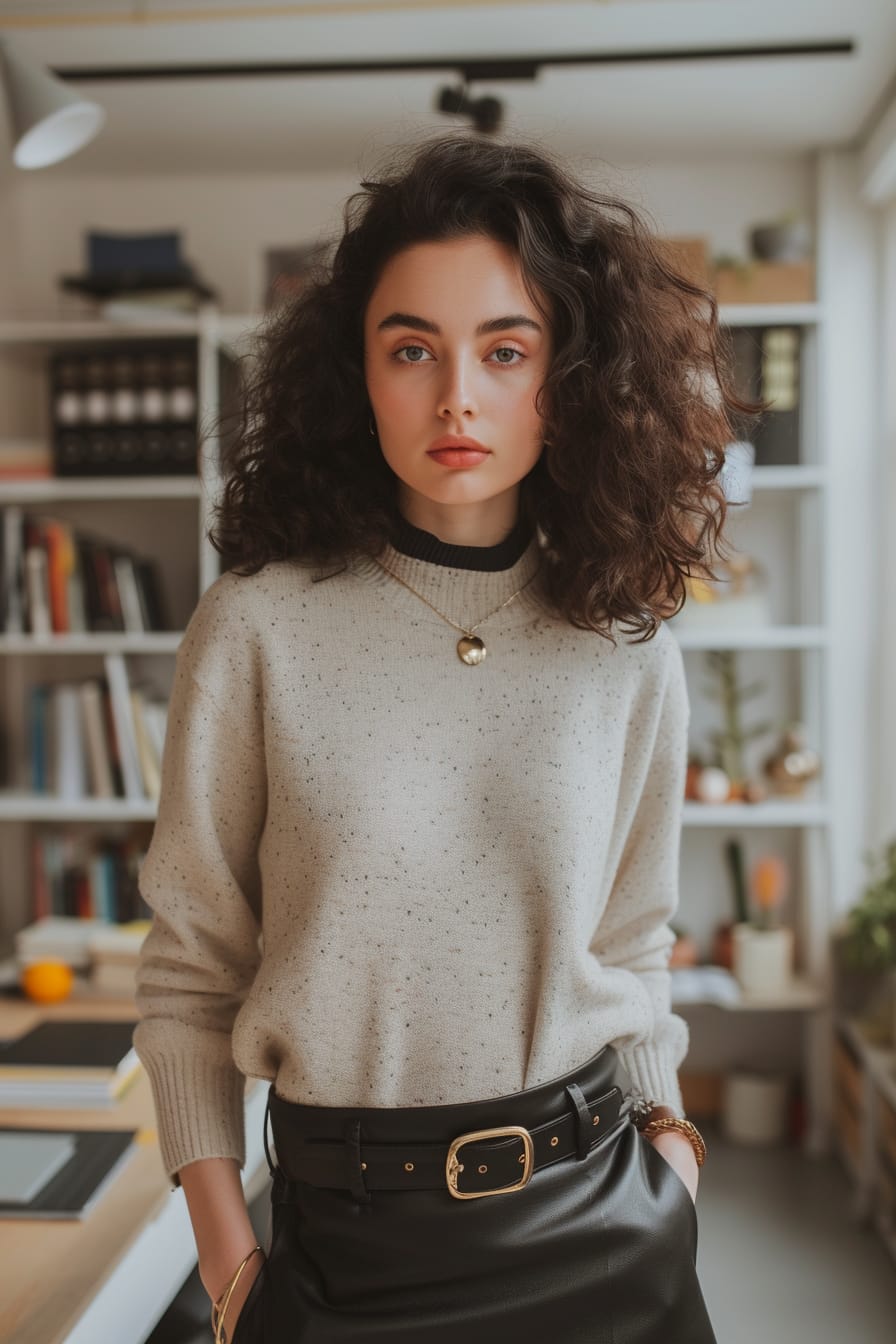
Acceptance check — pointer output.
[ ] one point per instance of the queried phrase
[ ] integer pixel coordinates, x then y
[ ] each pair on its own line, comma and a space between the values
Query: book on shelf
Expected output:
82, 876
12, 588
59, 580
97, 738
125, 732
87, 1062
101, 777
49, 1173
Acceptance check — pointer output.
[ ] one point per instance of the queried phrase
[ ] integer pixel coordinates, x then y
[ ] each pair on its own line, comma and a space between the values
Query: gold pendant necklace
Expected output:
470, 649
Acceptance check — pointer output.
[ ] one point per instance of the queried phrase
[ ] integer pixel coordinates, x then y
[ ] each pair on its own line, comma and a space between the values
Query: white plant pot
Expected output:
762, 959
754, 1107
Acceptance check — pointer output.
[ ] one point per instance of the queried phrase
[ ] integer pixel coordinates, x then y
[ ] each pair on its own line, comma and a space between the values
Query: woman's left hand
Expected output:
677, 1151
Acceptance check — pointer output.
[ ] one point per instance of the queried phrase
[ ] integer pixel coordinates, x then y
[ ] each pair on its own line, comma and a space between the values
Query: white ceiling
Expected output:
615, 112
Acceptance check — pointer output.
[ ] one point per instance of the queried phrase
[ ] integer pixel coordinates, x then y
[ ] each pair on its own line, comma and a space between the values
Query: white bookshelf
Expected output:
164, 517
788, 517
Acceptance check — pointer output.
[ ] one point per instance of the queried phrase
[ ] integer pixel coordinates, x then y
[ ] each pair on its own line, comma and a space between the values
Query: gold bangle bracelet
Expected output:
685, 1127
220, 1311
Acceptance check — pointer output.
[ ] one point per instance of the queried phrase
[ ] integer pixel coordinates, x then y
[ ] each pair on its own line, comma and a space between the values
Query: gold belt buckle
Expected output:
453, 1166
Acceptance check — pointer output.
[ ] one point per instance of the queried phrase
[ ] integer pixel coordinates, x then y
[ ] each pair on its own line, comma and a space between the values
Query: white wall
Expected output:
227, 221
882, 825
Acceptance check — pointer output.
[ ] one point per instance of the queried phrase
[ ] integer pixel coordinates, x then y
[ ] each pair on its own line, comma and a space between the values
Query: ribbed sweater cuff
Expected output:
199, 1101
653, 1073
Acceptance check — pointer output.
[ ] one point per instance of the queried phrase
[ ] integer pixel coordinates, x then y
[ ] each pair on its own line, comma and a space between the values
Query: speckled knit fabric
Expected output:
381, 877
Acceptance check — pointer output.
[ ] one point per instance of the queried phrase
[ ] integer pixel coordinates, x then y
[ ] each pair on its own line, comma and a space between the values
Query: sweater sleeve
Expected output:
634, 932
201, 879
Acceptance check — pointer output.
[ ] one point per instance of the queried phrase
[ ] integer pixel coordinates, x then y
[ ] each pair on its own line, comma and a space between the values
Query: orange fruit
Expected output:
47, 981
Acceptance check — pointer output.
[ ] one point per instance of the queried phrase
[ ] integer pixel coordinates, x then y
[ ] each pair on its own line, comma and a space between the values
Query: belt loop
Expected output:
353, 1162
264, 1132
585, 1129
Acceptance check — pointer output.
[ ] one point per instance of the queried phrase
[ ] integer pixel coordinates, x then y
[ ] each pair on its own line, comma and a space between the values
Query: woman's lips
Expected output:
458, 457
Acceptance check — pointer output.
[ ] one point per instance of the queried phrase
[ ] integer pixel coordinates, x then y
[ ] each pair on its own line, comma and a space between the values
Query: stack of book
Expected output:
25, 460
115, 955
135, 276
69, 1063
106, 952
64, 1064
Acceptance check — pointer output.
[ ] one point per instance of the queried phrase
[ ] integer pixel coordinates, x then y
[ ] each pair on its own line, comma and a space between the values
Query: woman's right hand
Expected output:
215, 1285
222, 1228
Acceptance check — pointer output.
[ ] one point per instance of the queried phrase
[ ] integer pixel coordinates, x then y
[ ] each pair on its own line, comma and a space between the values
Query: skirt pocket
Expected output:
666, 1176
245, 1331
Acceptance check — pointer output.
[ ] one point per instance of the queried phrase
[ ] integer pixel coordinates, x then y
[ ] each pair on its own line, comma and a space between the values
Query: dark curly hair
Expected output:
635, 406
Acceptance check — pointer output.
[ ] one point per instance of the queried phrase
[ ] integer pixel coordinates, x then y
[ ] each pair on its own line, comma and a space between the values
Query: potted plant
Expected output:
868, 943
762, 948
729, 743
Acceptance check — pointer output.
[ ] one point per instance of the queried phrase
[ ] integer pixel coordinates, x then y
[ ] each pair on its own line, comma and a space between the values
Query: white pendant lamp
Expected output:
47, 119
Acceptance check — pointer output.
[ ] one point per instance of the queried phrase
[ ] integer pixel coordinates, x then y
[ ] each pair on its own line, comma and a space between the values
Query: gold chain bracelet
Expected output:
219, 1311
685, 1127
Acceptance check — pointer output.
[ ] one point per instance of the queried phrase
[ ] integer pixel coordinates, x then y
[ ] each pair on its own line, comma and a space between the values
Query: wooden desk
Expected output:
109, 1278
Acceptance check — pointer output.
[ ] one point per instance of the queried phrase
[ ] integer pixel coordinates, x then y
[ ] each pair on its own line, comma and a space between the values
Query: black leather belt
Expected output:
478, 1163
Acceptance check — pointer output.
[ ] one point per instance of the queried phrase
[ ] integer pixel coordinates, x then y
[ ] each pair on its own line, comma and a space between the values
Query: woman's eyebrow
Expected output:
484, 328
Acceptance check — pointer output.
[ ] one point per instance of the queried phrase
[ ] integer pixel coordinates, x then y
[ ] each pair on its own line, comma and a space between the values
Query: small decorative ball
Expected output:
713, 785
47, 981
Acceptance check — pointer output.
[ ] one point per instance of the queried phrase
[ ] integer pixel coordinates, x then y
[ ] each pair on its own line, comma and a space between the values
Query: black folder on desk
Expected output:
69, 1062
69, 1190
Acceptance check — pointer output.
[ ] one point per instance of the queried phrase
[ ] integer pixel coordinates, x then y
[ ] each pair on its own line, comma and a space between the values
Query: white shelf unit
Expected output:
804, 489
788, 515
165, 517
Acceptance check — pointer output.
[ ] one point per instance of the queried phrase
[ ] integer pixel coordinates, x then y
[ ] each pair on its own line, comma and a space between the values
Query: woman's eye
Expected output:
415, 352
417, 349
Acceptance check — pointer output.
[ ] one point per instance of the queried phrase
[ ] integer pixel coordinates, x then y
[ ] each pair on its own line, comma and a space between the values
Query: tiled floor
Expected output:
779, 1256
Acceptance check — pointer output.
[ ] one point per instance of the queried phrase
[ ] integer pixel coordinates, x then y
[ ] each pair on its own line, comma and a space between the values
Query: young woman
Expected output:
417, 843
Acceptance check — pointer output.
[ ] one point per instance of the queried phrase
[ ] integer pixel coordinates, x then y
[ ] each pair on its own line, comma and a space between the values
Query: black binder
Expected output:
72, 1191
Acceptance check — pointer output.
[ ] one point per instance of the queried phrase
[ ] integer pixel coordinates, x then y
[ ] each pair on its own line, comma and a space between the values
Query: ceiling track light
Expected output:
485, 112
470, 68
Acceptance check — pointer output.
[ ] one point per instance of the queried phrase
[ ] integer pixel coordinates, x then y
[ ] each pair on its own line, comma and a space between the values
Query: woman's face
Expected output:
454, 346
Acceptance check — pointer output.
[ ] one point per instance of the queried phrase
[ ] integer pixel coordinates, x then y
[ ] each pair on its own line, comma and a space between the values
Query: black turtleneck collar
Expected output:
423, 545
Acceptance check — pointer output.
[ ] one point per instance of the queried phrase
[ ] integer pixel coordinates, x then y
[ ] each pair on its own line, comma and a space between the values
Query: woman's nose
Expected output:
457, 394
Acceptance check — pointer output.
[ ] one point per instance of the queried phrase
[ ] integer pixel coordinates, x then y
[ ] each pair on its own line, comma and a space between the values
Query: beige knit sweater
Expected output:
381, 877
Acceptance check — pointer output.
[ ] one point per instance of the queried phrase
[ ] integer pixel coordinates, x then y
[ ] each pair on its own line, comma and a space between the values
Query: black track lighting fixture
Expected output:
486, 112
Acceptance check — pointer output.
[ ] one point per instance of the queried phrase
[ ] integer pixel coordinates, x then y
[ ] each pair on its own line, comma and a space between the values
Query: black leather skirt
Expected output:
385, 1228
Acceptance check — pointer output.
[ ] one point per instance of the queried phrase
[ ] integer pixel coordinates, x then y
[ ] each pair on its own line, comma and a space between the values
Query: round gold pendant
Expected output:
471, 650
